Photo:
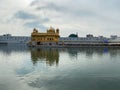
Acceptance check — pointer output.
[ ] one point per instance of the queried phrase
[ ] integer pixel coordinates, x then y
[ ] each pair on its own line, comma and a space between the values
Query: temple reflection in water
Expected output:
50, 55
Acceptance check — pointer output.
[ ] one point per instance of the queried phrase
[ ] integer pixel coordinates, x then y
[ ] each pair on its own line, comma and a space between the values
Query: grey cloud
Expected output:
35, 24
24, 15
34, 2
36, 21
51, 6
66, 10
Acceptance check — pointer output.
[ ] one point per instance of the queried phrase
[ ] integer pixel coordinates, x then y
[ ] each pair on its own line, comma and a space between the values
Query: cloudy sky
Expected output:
98, 17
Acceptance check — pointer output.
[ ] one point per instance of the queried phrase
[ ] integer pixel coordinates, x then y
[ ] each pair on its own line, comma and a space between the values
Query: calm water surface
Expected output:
23, 68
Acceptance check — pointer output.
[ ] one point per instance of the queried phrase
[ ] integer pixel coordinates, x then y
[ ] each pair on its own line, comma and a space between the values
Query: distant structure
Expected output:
51, 38
73, 35
9, 39
48, 38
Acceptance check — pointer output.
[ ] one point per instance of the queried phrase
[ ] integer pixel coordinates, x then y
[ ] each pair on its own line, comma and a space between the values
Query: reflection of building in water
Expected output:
8, 49
50, 55
74, 52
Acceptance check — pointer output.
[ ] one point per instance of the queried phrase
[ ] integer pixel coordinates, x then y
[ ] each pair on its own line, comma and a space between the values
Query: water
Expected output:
23, 68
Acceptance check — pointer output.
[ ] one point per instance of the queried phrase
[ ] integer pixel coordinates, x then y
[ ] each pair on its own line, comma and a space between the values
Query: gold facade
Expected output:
51, 36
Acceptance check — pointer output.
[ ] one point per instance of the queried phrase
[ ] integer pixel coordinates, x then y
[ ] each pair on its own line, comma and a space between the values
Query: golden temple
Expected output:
48, 38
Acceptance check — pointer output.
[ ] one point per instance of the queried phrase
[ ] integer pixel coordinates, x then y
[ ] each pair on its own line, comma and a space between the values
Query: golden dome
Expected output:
51, 30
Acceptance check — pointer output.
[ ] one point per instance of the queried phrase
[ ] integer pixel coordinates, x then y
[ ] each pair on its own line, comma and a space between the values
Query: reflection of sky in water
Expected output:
59, 69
